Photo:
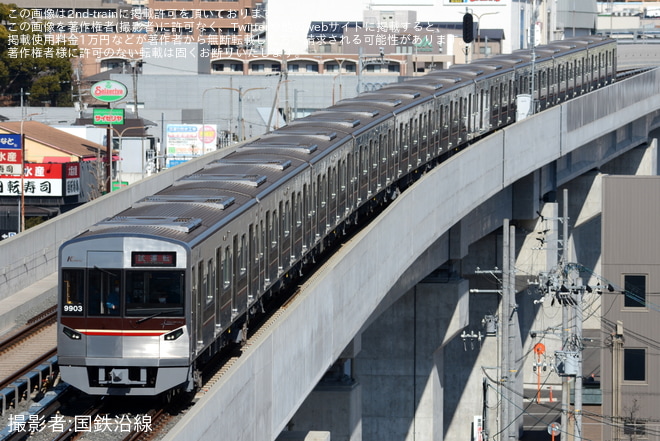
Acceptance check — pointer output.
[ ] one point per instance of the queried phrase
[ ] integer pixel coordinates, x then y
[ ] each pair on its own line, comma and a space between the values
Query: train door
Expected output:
322, 189
494, 104
332, 196
273, 246
362, 173
285, 231
453, 121
413, 142
396, 148
382, 161
426, 135
205, 274
373, 163
297, 226
469, 117
483, 109
403, 148
104, 284
196, 306
389, 152
306, 219
239, 300
341, 188
226, 286
254, 287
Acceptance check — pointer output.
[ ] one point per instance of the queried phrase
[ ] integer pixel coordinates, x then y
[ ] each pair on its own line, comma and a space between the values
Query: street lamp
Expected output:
333, 87
119, 135
295, 103
241, 94
204, 115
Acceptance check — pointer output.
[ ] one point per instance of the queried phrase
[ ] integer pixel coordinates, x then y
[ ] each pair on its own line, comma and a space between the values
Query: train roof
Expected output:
199, 202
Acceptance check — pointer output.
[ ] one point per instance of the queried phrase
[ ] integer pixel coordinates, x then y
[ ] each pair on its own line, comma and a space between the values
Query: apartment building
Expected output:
630, 325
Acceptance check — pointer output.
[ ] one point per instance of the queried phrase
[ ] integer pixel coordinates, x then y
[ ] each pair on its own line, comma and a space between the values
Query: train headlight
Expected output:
174, 335
73, 335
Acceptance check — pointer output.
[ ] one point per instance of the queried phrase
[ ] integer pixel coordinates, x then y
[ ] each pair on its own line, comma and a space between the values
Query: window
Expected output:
73, 292
104, 292
257, 68
293, 67
634, 364
155, 292
635, 291
312, 67
634, 428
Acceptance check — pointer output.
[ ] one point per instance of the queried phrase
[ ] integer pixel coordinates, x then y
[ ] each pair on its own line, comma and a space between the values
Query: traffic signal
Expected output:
468, 28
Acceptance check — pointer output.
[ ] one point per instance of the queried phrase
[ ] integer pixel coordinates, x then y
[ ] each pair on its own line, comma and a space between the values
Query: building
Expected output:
631, 266
61, 171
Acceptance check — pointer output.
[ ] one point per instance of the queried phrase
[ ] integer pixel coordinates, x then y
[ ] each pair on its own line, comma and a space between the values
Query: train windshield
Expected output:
154, 292
114, 292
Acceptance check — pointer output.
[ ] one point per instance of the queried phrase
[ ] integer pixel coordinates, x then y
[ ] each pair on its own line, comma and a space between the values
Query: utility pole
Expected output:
565, 383
504, 362
509, 427
617, 359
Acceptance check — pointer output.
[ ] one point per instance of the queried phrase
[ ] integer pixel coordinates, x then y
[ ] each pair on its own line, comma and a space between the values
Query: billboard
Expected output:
41, 180
108, 116
187, 141
10, 154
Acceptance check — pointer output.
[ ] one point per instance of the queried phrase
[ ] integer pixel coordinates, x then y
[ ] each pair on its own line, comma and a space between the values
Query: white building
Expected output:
288, 20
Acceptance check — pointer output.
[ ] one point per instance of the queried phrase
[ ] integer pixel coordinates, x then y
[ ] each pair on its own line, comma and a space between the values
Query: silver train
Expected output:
146, 295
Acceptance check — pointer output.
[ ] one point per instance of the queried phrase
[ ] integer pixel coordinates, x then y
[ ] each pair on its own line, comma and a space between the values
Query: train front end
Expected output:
122, 322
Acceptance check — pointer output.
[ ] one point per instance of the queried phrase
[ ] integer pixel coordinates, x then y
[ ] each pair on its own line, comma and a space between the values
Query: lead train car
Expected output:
147, 294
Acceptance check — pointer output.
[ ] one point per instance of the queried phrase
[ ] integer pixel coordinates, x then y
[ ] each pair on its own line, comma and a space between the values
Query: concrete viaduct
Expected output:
370, 348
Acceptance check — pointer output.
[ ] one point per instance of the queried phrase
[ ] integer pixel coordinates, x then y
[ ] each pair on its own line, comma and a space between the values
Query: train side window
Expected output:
73, 292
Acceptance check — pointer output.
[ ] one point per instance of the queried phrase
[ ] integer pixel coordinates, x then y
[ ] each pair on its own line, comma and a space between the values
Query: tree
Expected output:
33, 60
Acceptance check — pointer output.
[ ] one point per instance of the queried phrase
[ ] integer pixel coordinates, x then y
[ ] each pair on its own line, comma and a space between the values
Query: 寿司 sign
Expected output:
54, 179
108, 91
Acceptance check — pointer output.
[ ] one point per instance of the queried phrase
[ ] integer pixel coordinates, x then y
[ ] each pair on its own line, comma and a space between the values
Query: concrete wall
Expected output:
31, 256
